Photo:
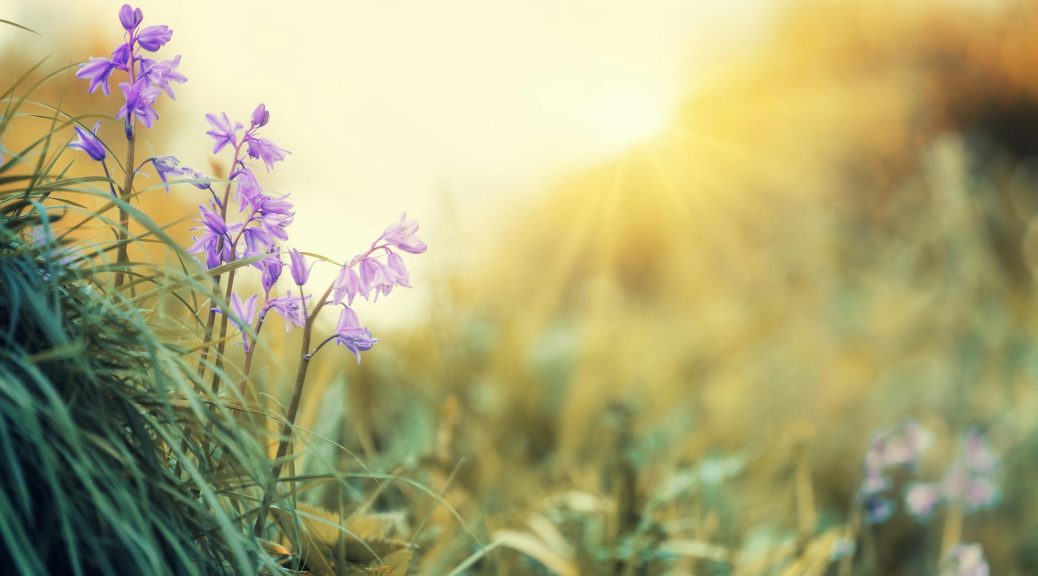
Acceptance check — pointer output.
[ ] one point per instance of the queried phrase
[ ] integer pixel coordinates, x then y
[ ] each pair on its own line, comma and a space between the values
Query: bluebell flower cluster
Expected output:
968, 482
262, 230
896, 447
146, 78
258, 229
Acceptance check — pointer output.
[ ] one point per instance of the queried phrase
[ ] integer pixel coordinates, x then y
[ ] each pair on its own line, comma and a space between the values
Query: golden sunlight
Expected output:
625, 115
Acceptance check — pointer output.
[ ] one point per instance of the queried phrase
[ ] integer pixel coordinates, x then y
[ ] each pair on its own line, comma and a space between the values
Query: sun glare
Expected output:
626, 115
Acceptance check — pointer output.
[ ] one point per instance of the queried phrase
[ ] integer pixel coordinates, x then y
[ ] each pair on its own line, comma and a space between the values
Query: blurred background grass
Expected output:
650, 333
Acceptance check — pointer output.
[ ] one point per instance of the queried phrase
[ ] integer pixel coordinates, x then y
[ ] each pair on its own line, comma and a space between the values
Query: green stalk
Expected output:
122, 253
211, 318
221, 343
293, 409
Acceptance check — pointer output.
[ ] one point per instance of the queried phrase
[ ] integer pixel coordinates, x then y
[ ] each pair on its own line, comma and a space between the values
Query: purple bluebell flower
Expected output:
403, 236
300, 272
247, 189
347, 286
130, 17
154, 37
922, 499
270, 271
901, 445
970, 480
275, 216
975, 492
88, 142
878, 510
140, 96
260, 116
169, 166
243, 314
214, 240
291, 308
224, 132
272, 205
97, 70
350, 334
981, 493
199, 180
165, 167
161, 73
121, 57
374, 277
977, 455
395, 266
965, 560
257, 241
898, 446
265, 150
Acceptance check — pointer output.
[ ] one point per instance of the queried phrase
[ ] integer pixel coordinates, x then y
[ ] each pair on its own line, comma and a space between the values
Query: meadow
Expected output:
792, 334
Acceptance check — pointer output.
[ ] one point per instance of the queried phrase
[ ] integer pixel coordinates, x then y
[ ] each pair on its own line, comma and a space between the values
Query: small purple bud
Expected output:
154, 37
260, 116
300, 272
130, 17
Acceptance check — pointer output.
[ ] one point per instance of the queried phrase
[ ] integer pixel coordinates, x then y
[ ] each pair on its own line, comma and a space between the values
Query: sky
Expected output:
456, 111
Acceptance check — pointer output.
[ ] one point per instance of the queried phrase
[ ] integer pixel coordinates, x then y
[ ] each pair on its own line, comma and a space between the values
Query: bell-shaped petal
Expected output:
154, 37
88, 142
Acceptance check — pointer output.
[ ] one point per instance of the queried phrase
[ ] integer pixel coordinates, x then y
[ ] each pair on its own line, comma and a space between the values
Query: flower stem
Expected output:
247, 367
211, 318
111, 183
293, 409
122, 254
221, 342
